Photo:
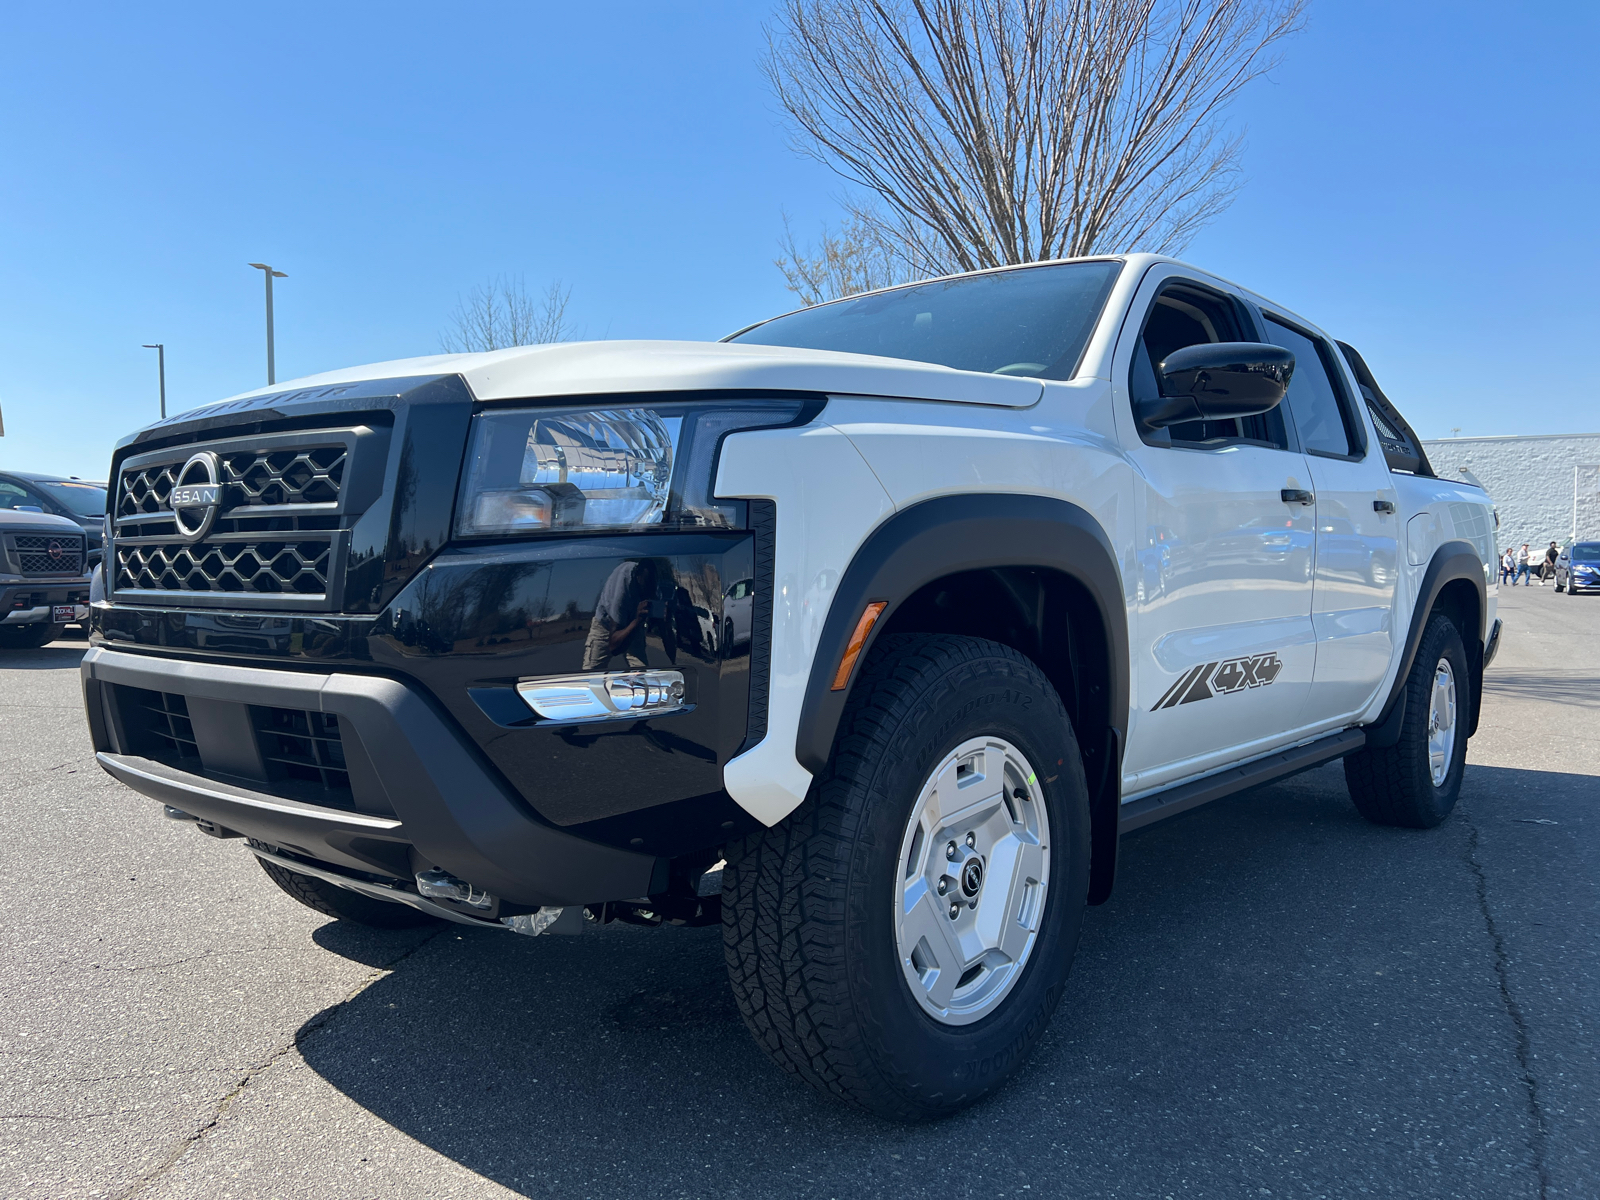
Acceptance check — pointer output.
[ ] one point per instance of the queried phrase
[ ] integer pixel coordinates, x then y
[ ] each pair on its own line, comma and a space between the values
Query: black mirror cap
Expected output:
1214, 381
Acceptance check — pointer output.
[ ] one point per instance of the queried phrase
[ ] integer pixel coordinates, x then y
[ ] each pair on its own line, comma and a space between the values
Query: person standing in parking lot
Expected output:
1524, 565
1508, 565
1547, 569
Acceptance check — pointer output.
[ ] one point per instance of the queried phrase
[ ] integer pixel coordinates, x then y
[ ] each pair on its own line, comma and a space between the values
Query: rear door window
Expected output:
1316, 399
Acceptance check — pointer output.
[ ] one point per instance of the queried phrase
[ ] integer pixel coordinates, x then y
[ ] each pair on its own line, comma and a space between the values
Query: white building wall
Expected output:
1530, 479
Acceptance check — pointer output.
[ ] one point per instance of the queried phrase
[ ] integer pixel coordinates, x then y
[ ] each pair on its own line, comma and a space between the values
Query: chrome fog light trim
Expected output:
604, 696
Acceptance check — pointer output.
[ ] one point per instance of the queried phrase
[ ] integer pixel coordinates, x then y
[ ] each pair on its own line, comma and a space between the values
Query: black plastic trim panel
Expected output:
1182, 798
449, 805
943, 537
1453, 560
764, 525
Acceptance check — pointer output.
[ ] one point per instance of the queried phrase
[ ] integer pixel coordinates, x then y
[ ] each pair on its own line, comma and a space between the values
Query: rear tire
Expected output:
1415, 783
29, 637
334, 901
818, 911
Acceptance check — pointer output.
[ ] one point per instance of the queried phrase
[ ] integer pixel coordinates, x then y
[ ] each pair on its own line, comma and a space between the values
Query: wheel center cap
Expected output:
972, 876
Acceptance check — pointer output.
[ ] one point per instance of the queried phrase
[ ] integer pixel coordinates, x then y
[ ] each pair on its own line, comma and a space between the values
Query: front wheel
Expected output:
1415, 782
901, 940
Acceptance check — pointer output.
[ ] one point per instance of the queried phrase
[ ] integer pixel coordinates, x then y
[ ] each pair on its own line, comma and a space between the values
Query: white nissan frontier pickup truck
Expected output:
864, 633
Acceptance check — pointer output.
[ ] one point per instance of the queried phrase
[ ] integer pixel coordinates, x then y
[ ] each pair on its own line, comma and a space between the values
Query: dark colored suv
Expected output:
80, 501
44, 584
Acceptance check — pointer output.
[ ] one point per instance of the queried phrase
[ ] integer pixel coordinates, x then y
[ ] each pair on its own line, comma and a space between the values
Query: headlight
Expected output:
541, 470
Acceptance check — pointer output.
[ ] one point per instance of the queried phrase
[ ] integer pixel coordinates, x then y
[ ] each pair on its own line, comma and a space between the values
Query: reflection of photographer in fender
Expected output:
620, 617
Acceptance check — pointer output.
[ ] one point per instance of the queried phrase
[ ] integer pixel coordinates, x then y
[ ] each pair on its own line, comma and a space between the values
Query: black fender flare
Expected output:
951, 534
1453, 560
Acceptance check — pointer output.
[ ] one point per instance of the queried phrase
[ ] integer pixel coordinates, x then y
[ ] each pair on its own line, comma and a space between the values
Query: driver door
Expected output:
1221, 574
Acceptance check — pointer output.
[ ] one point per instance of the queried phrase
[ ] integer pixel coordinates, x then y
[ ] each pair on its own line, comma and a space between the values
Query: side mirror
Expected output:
27, 508
1215, 381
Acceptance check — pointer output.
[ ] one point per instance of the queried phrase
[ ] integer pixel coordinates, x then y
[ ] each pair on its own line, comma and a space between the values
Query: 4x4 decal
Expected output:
1221, 678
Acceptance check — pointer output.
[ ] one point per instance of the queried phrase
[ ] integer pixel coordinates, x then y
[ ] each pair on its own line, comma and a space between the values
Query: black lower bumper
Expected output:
32, 603
391, 786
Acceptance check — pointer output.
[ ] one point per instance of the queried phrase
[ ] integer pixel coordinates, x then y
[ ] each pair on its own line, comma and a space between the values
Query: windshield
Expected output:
1586, 552
81, 499
1035, 321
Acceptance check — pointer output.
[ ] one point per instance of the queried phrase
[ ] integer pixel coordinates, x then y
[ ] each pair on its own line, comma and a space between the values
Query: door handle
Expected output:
1297, 496
1383, 506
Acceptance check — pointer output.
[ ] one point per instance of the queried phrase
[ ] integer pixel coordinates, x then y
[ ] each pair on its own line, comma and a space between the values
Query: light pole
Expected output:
161, 366
272, 374
1575, 470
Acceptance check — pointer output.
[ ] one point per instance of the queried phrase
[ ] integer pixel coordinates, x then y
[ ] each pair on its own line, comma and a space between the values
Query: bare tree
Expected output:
501, 313
859, 257
1008, 131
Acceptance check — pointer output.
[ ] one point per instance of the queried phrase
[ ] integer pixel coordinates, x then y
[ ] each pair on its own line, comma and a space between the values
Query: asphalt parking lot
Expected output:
1279, 1001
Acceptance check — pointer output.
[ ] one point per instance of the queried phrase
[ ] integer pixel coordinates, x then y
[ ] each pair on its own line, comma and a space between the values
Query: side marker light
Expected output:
858, 639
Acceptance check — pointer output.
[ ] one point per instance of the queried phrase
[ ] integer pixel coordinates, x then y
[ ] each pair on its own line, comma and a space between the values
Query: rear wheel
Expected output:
29, 637
1415, 782
334, 901
901, 940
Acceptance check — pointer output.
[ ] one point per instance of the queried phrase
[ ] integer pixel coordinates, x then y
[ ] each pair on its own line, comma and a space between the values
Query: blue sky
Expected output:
1422, 181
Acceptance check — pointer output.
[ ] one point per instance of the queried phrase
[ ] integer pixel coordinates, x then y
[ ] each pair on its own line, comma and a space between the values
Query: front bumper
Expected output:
31, 603
390, 787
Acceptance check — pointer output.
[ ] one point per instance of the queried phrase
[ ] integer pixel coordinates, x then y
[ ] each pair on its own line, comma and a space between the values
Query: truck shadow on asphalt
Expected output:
1279, 995
57, 656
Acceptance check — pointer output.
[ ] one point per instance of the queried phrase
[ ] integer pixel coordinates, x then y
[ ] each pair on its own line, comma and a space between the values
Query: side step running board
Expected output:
1236, 779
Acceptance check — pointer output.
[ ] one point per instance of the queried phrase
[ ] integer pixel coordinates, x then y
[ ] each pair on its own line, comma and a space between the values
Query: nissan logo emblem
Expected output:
54, 551
972, 877
197, 495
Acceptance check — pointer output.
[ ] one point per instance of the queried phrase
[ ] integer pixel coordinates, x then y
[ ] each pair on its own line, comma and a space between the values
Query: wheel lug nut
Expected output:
950, 851
955, 911
944, 886
972, 840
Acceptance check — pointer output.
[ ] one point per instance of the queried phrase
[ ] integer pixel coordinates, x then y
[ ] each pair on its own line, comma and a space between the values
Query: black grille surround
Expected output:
280, 536
764, 524
48, 554
264, 478
264, 568
303, 744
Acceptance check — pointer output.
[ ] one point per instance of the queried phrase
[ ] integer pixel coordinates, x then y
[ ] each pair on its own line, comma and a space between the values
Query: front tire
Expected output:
845, 960
1414, 784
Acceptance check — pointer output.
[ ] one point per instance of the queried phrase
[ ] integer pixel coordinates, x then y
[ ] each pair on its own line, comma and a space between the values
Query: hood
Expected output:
13, 521
610, 368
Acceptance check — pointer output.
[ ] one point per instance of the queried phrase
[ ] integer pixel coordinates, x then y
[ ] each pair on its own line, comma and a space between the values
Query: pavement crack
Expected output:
183, 1145
52, 1117
1539, 1138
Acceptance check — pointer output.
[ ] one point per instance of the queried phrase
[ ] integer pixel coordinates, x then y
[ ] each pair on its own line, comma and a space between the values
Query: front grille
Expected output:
168, 717
48, 554
312, 475
260, 568
278, 538
303, 744
297, 754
